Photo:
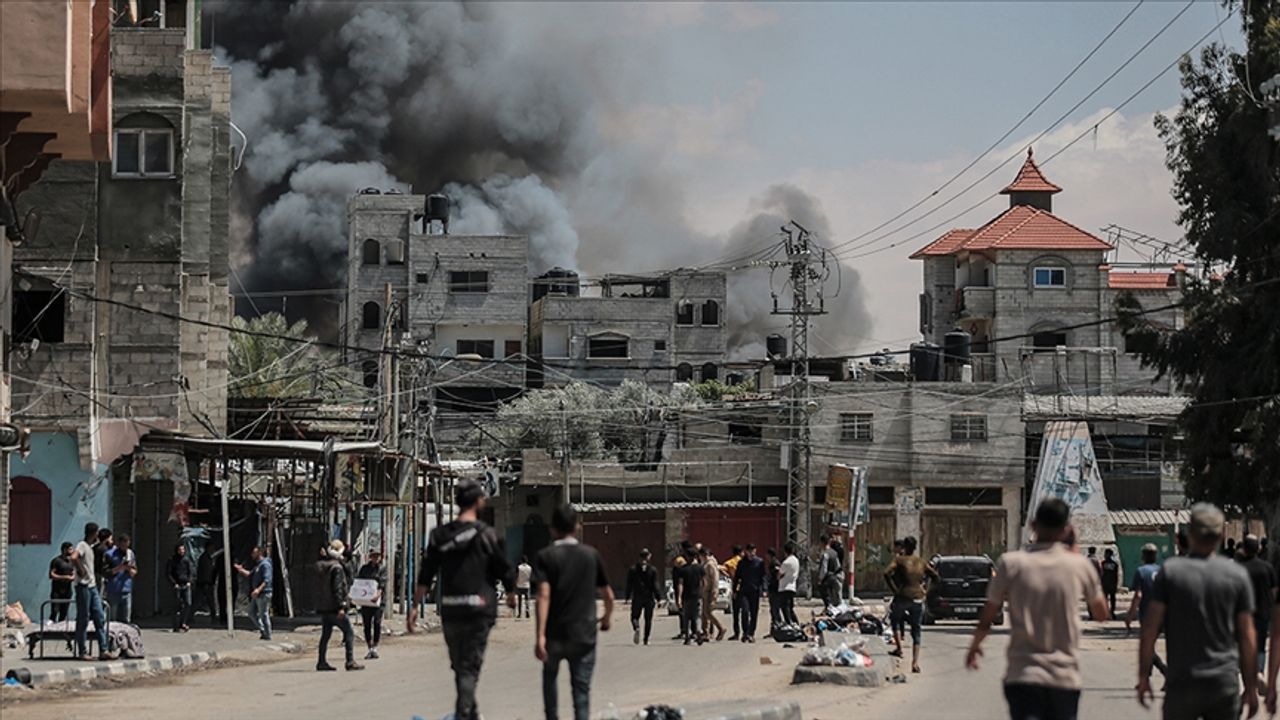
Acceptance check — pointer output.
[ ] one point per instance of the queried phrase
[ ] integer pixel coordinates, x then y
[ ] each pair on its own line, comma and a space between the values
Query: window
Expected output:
469, 281
711, 313
709, 372
1141, 343
855, 427
969, 427
369, 368
745, 433
371, 316
1048, 340
483, 348
422, 278
143, 153
659, 345
30, 512
395, 252
608, 346
684, 372
371, 253
684, 313
512, 348
962, 496
1050, 277
39, 315
880, 495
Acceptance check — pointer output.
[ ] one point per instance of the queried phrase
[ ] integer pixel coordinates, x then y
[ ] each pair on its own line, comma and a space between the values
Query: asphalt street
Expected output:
413, 678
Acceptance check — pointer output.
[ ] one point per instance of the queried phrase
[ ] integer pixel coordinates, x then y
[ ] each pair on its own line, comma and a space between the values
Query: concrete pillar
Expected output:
1011, 499
907, 503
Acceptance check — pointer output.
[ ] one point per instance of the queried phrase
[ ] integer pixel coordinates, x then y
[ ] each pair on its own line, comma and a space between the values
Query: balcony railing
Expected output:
977, 302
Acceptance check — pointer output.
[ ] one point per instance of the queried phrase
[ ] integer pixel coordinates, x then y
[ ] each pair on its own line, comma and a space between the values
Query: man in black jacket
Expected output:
372, 616
643, 593
332, 606
470, 560
748, 584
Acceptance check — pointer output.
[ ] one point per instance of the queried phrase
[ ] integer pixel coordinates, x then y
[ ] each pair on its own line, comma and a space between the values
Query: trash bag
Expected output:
819, 655
870, 625
788, 633
660, 712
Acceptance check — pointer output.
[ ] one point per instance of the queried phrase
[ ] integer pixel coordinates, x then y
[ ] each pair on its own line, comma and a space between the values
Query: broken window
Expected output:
659, 345
684, 313
369, 368
371, 254
143, 153
711, 313
1048, 340
469, 281
745, 433
855, 427
423, 277
684, 372
969, 427
39, 315
483, 348
608, 346
371, 316
709, 372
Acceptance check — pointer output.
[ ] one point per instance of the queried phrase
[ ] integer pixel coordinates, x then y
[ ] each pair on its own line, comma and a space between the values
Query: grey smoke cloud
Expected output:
501, 113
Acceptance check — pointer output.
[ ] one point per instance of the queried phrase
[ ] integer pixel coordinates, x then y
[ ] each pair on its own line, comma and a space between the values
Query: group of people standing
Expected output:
465, 562
96, 575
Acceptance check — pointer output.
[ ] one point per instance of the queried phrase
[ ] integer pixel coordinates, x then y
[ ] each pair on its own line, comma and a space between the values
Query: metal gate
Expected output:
620, 536
967, 531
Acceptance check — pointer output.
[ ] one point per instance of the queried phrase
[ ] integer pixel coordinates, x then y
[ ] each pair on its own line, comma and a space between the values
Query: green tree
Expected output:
268, 364
1226, 358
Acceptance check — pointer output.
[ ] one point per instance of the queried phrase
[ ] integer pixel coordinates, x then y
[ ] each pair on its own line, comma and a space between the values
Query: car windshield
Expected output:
962, 569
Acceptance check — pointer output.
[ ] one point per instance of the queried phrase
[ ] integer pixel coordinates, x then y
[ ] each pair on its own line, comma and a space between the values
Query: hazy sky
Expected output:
870, 106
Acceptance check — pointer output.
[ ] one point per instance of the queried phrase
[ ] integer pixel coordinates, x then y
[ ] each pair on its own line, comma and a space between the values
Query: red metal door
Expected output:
722, 528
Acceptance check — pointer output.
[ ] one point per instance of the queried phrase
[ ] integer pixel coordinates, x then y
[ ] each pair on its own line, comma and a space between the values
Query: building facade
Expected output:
125, 248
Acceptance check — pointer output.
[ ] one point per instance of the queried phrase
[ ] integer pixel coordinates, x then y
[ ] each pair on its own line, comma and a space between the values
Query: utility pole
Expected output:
806, 271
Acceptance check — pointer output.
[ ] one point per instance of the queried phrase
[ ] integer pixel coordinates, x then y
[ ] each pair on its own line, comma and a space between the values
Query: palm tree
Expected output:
269, 358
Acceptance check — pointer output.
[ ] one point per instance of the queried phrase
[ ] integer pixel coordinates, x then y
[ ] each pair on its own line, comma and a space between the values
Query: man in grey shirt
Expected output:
1205, 604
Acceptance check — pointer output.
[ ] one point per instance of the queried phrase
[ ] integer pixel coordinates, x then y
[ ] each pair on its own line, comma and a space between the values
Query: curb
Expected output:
120, 668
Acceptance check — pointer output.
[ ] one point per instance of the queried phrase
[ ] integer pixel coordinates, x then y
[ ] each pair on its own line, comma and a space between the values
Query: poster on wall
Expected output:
1068, 469
155, 466
846, 504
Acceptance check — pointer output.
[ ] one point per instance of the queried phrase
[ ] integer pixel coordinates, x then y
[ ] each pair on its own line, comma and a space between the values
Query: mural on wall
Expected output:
1068, 469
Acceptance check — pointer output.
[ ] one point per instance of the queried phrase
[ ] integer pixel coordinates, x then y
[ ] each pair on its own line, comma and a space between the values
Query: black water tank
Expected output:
955, 347
776, 346
926, 362
556, 281
438, 209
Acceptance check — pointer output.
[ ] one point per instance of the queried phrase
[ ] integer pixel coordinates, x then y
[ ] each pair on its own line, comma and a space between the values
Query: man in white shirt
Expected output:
524, 572
88, 599
788, 577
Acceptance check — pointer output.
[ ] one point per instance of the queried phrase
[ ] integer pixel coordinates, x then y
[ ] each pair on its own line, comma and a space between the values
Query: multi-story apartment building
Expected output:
1032, 276
94, 366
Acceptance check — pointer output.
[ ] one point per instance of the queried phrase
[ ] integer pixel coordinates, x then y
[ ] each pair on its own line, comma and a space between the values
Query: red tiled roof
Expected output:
1030, 179
945, 245
1141, 280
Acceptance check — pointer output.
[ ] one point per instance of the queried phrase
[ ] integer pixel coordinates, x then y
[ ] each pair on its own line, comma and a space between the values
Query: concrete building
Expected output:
1030, 273
55, 102
95, 366
652, 329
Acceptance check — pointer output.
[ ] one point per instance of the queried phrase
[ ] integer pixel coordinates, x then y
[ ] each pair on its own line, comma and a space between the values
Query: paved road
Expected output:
413, 678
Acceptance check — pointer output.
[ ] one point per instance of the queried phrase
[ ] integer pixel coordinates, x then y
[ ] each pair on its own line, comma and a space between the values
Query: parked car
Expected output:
722, 596
963, 589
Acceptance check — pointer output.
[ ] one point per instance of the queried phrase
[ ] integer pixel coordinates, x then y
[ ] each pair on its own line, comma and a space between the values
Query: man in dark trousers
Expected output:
371, 617
772, 568
567, 575
1262, 578
1110, 579
642, 593
748, 584
829, 572
332, 606
470, 561
179, 572
688, 585
62, 572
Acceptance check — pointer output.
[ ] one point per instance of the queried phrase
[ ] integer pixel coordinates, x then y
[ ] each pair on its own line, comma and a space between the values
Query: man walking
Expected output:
63, 573
88, 599
568, 575
332, 606
748, 584
1205, 604
688, 586
470, 561
906, 577
1043, 586
371, 615
1262, 578
642, 592
524, 580
788, 579
260, 577
1144, 579
178, 572
829, 573
122, 567
710, 590
1110, 580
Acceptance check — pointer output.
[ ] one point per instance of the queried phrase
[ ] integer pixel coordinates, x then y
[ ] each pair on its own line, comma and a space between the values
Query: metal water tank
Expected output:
926, 362
955, 347
776, 346
438, 210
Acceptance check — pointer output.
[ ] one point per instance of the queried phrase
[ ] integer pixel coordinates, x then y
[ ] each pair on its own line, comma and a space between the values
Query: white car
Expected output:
722, 596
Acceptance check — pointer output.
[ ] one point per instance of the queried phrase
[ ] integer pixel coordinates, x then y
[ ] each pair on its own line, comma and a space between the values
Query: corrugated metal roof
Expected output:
1162, 407
629, 507
1150, 517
